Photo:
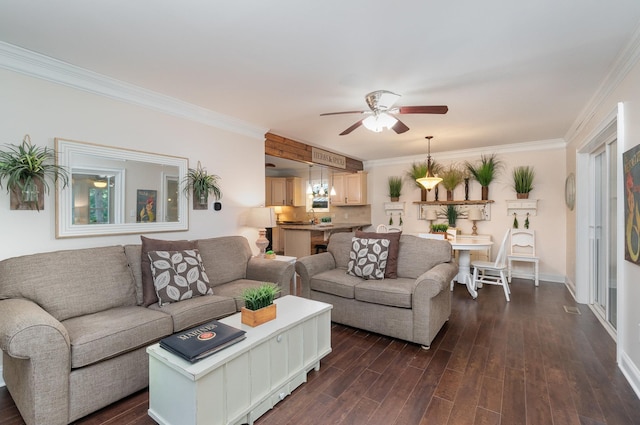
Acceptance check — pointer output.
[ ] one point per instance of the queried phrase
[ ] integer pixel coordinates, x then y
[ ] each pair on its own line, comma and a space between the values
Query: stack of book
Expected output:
197, 343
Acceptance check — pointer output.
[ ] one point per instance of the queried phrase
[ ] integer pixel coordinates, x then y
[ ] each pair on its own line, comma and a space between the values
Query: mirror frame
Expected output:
66, 149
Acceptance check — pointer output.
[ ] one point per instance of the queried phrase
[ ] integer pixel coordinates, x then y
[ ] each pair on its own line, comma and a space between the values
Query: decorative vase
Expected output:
423, 194
449, 195
395, 198
522, 195
466, 188
435, 192
257, 317
485, 193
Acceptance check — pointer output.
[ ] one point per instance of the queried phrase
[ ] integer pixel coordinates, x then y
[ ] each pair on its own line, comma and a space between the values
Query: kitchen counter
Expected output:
301, 240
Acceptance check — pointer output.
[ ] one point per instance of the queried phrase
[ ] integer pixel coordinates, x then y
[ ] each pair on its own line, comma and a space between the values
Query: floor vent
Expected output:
572, 310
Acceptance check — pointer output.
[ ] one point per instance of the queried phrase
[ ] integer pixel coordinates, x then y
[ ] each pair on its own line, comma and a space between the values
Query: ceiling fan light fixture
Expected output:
379, 122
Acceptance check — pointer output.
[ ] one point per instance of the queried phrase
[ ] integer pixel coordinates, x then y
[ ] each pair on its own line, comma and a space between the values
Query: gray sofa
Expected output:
74, 326
412, 307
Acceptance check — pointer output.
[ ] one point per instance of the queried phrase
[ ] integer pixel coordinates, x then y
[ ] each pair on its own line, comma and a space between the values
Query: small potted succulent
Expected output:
258, 304
270, 255
440, 228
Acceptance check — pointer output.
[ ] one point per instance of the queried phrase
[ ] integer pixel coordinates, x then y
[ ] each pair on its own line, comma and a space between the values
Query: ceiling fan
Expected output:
382, 113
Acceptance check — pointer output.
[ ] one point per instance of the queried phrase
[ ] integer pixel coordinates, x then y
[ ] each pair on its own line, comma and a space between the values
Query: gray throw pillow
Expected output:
368, 258
178, 275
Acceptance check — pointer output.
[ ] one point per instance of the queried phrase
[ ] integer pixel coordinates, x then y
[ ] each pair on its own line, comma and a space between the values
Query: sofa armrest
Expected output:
36, 361
433, 281
311, 265
278, 272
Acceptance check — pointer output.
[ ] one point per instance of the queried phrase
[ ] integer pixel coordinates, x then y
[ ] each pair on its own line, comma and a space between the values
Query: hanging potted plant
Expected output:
395, 188
202, 184
452, 176
523, 181
485, 172
26, 169
258, 304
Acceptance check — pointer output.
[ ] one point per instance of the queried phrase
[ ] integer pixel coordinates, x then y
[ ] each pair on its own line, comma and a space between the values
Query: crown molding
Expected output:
623, 64
32, 64
541, 145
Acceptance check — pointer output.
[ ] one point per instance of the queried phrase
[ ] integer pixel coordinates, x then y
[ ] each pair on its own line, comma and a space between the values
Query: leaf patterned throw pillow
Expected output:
178, 275
368, 258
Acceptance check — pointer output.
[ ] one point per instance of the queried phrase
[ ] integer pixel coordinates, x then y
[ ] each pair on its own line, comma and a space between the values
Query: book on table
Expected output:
202, 341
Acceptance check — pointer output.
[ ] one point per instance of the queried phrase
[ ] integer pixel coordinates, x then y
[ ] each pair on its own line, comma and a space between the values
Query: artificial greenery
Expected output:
419, 170
259, 297
202, 183
451, 211
451, 176
395, 186
486, 170
526, 222
523, 179
24, 165
515, 221
439, 228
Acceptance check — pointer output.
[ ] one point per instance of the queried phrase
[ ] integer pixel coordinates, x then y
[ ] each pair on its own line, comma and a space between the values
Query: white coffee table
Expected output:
240, 383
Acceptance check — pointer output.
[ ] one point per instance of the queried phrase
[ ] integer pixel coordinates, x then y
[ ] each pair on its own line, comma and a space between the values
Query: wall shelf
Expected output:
463, 209
475, 202
522, 207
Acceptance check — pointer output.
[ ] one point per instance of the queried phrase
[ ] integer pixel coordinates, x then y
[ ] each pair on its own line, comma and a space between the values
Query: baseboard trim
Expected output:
2, 384
631, 372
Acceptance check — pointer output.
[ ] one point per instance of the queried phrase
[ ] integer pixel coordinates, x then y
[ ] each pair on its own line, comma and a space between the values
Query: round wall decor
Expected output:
570, 191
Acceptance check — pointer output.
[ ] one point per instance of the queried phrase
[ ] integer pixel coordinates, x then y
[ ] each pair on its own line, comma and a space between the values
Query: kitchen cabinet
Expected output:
351, 189
284, 191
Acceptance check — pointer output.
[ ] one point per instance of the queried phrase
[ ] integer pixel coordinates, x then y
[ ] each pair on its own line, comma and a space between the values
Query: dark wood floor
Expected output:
523, 362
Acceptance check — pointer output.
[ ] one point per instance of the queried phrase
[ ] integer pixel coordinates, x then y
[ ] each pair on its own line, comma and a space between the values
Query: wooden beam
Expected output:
281, 147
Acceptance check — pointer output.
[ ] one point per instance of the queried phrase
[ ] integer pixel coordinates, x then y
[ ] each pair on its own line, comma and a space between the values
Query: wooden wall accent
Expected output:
281, 147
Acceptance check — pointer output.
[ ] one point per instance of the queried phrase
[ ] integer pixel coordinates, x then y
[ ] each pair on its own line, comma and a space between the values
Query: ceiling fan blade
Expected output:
399, 127
341, 113
435, 109
350, 129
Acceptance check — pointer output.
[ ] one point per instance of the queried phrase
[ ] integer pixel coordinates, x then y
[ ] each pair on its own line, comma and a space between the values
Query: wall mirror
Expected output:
118, 191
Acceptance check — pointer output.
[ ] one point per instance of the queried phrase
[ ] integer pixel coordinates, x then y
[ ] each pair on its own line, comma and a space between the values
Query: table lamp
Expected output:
475, 214
430, 215
261, 218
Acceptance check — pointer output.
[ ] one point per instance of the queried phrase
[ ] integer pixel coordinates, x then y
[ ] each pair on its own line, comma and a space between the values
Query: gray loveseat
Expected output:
412, 307
74, 326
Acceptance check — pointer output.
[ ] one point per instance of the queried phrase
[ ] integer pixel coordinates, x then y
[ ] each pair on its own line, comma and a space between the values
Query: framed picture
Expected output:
631, 169
146, 205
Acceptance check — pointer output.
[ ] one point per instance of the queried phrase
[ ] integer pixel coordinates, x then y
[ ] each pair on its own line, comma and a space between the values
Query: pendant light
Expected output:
333, 188
309, 187
429, 181
321, 192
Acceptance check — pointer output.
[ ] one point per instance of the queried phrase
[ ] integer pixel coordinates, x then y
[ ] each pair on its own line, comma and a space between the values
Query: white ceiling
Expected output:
510, 71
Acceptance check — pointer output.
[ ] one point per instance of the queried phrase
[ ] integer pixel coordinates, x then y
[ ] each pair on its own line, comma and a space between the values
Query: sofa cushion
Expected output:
335, 282
70, 283
340, 246
178, 275
225, 258
418, 255
368, 258
198, 310
98, 336
391, 271
148, 290
395, 293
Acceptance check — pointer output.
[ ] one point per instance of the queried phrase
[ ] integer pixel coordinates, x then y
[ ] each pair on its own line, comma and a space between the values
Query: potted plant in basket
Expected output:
485, 171
258, 304
27, 169
202, 184
523, 181
440, 228
452, 176
395, 188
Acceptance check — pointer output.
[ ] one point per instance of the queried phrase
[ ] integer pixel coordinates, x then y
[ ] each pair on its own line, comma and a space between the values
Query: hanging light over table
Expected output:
429, 181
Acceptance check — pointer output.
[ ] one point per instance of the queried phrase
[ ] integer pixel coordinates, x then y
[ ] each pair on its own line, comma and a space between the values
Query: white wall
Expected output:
46, 110
624, 95
548, 160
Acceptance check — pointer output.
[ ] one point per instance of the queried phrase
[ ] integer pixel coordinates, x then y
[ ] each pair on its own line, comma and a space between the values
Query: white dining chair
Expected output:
523, 248
499, 266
